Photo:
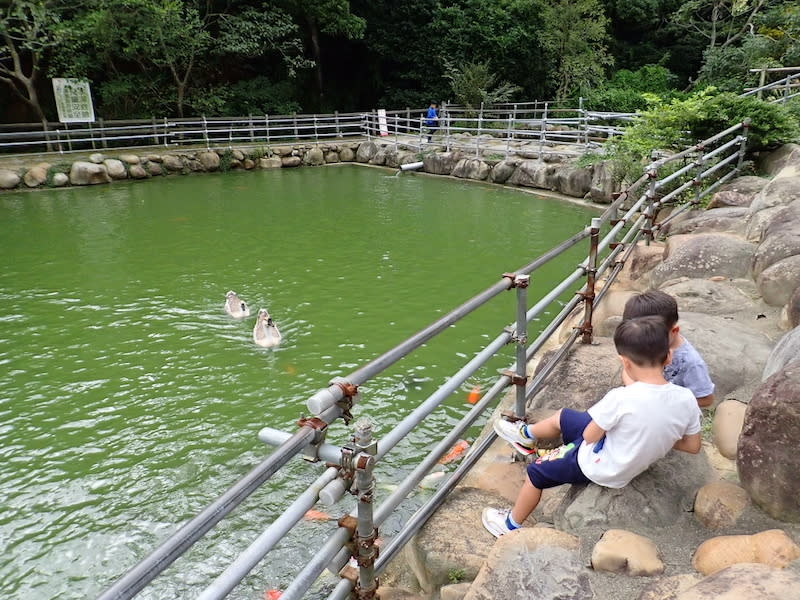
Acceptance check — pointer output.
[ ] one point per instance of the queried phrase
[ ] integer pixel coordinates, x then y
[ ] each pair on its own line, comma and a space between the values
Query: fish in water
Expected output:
474, 395
235, 306
316, 515
432, 480
266, 333
455, 452
272, 594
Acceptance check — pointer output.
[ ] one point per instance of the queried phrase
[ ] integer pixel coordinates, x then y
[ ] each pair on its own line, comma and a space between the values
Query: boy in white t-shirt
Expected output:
629, 429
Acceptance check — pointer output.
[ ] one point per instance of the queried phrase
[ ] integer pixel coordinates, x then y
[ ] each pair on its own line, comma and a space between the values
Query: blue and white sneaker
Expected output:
515, 434
496, 521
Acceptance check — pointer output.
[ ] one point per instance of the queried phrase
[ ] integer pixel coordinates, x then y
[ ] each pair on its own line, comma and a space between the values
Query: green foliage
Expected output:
54, 169
672, 126
456, 575
474, 84
627, 91
574, 36
226, 160
260, 96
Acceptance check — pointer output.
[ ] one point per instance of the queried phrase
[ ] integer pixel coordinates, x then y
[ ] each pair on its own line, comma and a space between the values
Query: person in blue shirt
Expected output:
432, 120
687, 368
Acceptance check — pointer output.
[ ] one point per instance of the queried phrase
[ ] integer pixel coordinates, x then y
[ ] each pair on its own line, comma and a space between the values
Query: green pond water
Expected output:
129, 399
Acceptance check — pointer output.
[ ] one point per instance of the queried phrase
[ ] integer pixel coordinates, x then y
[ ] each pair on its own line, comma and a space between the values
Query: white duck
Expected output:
266, 333
235, 306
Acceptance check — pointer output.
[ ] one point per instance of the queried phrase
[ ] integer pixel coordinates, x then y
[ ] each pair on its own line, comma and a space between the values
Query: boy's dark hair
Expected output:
652, 302
644, 340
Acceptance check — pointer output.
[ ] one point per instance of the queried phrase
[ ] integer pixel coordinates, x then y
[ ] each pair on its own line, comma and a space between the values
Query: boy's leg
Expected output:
548, 428
527, 501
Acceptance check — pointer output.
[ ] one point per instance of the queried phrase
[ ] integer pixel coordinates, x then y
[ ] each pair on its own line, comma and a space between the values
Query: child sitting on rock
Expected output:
629, 429
687, 369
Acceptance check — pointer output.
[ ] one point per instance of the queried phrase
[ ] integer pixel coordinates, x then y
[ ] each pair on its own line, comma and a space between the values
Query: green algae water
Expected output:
129, 399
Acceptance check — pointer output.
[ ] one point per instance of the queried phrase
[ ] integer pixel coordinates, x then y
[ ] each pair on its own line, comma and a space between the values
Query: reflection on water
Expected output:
131, 400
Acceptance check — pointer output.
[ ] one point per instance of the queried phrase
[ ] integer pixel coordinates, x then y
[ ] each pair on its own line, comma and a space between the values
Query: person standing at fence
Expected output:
618, 438
687, 369
432, 120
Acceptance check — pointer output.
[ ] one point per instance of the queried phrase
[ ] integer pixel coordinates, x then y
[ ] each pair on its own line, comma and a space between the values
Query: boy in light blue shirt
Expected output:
687, 369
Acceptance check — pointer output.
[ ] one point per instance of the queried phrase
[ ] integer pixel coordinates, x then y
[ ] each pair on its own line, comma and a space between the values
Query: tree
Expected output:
331, 18
183, 53
574, 35
27, 30
474, 84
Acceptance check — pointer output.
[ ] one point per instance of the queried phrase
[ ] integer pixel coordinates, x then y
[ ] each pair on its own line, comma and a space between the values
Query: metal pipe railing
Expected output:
148, 569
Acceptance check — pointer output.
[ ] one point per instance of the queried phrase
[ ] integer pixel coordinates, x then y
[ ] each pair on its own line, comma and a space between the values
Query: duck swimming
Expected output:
266, 333
235, 306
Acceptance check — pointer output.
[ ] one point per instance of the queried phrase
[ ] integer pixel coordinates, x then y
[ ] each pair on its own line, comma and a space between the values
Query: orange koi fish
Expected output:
272, 594
455, 452
316, 515
474, 395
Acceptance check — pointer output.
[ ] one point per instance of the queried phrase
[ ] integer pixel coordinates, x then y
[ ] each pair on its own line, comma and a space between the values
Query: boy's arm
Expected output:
705, 401
593, 432
690, 443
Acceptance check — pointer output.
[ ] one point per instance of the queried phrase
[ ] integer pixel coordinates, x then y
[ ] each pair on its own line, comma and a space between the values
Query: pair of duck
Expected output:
265, 332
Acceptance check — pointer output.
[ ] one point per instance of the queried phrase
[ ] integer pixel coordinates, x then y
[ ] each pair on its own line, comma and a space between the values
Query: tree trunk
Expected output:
317, 53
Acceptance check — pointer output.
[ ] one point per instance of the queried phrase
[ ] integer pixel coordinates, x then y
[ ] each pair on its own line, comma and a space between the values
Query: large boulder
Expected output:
173, 163
780, 191
441, 163
503, 170
116, 168
581, 380
774, 162
719, 504
773, 547
88, 173
604, 185
441, 546
781, 238
745, 581
657, 498
574, 181
535, 174
621, 551
704, 255
786, 351
739, 192
471, 168
767, 458
36, 175
793, 309
8, 179
366, 152
722, 220
209, 160
778, 282
734, 364
552, 555
723, 297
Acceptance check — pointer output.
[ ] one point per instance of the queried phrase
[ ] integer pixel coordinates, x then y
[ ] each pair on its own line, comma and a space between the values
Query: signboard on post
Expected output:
73, 100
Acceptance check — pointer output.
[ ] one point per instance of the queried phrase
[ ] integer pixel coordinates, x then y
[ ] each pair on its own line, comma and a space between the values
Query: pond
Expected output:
130, 400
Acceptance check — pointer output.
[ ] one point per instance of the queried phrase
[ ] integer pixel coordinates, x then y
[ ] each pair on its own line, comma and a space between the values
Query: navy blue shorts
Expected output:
561, 465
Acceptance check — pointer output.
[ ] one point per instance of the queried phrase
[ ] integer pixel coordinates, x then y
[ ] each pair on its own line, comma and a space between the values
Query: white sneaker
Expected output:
494, 520
513, 433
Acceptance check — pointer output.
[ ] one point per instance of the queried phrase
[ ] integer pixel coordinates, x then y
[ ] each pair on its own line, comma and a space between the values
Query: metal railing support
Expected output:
365, 551
591, 275
520, 338
743, 143
652, 173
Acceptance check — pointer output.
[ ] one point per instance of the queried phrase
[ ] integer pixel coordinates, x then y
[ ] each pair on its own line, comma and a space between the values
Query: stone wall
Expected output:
554, 172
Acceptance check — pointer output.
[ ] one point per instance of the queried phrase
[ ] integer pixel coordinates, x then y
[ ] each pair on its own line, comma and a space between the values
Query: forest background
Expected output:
174, 58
